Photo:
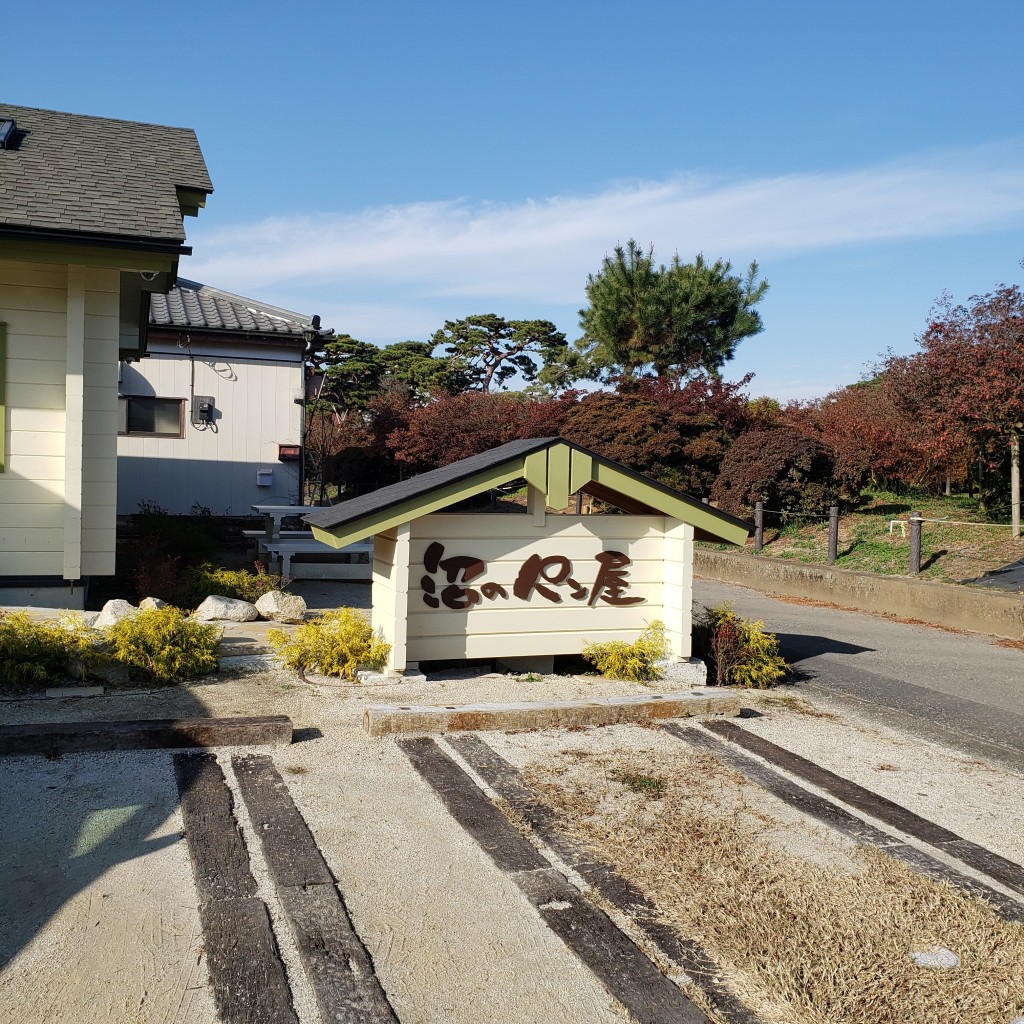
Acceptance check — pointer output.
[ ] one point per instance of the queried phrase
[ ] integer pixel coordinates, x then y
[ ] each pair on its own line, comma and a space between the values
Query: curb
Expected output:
950, 605
144, 734
383, 719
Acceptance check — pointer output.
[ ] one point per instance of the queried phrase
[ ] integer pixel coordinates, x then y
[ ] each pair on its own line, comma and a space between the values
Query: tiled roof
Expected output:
97, 176
190, 304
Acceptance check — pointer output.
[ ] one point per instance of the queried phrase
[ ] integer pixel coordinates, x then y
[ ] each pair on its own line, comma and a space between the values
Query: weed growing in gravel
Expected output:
645, 785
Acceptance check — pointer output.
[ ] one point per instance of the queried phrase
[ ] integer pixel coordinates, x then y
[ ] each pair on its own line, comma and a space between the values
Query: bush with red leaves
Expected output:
788, 470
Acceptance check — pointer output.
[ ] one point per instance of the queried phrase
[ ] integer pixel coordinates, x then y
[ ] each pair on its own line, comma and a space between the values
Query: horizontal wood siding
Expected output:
33, 303
99, 425
214, 467
501, 627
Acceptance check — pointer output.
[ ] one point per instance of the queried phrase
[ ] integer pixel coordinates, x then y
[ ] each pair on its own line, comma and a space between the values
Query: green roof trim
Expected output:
553, 465
442, 497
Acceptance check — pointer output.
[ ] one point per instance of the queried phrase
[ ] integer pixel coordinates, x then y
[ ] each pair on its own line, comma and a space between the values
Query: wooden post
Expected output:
833, 534
758, 525
579, 503
915, 543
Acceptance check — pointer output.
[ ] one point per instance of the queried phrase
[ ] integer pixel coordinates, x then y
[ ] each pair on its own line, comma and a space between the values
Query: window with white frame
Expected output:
144, 416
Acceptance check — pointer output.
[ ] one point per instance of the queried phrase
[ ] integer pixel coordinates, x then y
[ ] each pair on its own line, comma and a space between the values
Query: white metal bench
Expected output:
257, 540
327, 565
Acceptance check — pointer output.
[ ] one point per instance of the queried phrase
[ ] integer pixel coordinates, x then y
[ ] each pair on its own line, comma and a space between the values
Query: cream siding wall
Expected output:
99, 424
254, 395
660, 550
48, 480
391, 591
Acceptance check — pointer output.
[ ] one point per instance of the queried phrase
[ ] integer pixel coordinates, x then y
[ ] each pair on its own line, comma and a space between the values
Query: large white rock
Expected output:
281, 607
114, 611
152, 602
227, 609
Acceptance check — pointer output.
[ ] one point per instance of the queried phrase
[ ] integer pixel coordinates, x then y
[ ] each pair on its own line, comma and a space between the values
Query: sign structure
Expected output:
501, 586
450, 586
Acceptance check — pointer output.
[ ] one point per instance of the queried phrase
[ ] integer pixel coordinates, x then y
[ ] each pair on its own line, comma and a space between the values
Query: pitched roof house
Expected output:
91, 224
212, 417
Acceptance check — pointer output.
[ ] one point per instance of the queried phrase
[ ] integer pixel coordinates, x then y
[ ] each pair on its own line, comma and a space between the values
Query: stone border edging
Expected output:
144, 734
940, 604
382, 719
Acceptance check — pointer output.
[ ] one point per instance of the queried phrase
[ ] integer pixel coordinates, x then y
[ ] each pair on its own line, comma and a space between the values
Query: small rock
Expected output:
114, 611
152, 602
281, 607
937, 956
229, 609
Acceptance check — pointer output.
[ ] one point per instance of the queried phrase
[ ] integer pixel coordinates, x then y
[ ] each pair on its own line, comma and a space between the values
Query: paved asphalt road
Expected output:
958, 689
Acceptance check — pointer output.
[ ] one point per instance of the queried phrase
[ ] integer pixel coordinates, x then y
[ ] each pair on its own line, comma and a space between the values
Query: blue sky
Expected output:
391, 166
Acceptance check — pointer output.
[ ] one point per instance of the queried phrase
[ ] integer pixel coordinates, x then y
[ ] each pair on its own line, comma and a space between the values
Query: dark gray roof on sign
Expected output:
196, 306
95, 176
414, 487
349, 511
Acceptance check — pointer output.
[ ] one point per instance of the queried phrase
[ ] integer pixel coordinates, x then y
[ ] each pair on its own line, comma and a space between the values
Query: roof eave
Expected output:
62, 236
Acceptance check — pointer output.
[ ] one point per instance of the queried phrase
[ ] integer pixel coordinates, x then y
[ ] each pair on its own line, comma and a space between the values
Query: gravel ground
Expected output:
101, 920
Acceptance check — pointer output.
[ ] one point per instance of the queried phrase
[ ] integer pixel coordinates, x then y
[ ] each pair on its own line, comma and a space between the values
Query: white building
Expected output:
91, 214
211, 418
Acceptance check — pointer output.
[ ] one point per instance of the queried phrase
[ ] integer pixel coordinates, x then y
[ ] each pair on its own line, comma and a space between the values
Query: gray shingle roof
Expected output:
97, 176
348, 512
196, 306
415, 487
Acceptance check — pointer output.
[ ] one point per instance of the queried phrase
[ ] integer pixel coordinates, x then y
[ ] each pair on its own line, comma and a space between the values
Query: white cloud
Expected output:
387, 271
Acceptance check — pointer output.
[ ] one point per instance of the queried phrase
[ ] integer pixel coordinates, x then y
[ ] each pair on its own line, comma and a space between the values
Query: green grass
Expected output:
951, 553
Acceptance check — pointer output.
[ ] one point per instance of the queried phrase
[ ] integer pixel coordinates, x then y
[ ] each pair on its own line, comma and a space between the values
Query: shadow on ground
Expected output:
797, 647
67, 820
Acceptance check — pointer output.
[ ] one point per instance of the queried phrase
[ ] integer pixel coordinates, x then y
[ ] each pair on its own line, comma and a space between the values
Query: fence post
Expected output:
758, 525
833, 534
915, 543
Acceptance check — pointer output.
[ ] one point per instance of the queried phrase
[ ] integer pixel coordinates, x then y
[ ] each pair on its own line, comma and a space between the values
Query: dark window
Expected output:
150, 417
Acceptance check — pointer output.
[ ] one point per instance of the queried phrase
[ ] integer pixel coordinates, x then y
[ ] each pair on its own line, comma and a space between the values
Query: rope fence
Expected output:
915, 521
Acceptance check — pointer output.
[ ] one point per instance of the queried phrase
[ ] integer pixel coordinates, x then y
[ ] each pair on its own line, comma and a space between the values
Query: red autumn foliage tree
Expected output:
873, 440
674, 429
967, 382
788, 469
454, 427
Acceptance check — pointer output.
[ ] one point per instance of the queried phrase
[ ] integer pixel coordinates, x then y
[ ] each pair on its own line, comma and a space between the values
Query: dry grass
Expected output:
794, 705
1012, 645
801, 940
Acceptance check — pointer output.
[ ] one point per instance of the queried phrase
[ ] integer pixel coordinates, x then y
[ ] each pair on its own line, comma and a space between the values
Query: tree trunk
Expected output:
1015, 484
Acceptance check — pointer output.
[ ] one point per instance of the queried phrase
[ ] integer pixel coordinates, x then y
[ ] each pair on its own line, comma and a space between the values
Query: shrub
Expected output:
616, 659
335, 643
200, 581
33, 654
165, 643
742, 653
788, 470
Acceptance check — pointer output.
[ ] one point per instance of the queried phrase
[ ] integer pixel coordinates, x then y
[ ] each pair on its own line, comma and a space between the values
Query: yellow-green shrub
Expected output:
34, 654
742, 653
165, 643
335, 643
200, 581
636, 661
